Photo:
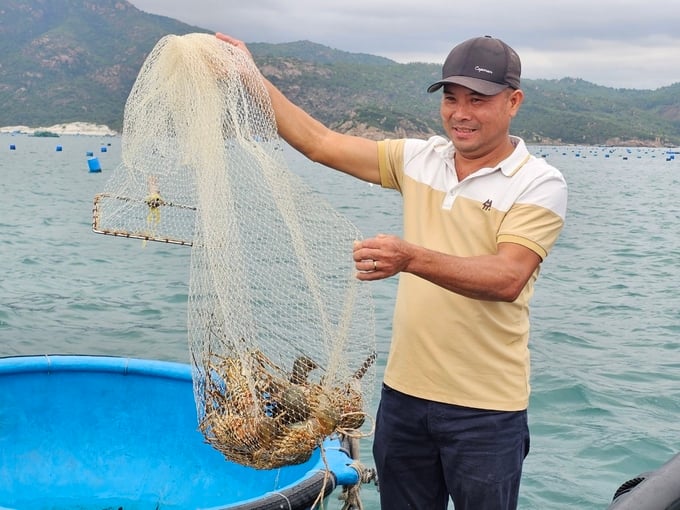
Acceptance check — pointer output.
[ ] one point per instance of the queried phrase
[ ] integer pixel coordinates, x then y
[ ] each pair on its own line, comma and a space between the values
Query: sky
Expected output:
615, 43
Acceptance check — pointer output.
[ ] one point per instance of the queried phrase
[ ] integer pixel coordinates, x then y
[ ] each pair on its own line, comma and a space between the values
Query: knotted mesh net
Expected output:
281, 333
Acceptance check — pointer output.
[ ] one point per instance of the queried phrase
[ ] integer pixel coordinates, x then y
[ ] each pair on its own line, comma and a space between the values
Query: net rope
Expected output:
281, 334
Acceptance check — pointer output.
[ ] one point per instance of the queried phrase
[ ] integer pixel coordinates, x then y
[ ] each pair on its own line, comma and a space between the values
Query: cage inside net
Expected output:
281, 333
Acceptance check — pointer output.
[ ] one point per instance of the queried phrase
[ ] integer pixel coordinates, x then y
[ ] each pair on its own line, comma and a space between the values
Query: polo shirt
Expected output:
447, 347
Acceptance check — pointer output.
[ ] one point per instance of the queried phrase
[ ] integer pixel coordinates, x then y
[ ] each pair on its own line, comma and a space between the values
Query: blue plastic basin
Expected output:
93, 432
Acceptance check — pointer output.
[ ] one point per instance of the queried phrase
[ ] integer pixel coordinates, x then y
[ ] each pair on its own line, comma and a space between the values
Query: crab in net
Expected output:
261, 415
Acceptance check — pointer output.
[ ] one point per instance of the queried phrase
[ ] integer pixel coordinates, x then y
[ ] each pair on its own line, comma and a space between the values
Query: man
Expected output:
480, 214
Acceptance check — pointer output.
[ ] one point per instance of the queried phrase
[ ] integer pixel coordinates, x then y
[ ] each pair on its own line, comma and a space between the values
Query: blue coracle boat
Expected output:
98, 432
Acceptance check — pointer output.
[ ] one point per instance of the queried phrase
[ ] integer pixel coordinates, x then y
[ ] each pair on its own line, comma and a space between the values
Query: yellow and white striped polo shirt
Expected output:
447, 347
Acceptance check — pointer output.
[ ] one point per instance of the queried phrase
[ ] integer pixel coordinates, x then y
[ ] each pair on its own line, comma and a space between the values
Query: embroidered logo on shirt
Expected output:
486, 206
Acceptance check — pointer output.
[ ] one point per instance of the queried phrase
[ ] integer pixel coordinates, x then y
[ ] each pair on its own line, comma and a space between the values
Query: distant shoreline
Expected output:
90, 129
72, 128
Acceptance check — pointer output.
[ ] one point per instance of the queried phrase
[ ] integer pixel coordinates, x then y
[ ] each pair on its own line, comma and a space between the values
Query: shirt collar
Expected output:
515, 161
509, 166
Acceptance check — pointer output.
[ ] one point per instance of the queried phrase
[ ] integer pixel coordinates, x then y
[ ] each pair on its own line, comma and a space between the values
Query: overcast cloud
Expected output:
616, 43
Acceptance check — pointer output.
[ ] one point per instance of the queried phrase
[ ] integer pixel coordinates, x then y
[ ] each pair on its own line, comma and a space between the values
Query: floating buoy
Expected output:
93, 165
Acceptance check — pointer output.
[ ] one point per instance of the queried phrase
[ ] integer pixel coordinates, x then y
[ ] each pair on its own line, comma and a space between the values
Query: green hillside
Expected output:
73, 60
76, 60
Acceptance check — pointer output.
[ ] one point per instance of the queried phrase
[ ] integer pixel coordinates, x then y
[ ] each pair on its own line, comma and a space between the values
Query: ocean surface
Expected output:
605, 336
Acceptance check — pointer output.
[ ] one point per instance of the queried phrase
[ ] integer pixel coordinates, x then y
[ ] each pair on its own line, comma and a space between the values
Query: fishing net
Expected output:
281, 333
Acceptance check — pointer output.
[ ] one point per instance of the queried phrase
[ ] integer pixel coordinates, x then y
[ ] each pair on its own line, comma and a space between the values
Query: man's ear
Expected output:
516, 98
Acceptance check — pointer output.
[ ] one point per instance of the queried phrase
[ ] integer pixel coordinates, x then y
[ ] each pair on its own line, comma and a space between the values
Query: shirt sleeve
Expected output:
537, 217
391, 161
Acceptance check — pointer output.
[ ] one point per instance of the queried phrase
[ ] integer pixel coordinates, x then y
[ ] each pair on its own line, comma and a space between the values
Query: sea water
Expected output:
605, 339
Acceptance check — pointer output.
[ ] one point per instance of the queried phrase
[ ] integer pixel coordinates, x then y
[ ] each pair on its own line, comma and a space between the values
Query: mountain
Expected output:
73, 60
76, 60
373, 95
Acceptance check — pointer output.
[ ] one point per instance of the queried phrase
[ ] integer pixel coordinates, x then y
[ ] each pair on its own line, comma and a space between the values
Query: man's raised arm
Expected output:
353, 155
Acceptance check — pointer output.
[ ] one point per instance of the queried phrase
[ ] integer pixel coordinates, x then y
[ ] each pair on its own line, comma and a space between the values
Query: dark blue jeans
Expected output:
427, 451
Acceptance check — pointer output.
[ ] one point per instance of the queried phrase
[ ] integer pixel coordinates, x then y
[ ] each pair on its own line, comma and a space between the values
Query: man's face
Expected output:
478, 124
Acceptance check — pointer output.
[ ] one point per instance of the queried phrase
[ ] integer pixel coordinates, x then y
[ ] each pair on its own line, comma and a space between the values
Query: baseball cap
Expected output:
483, 64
